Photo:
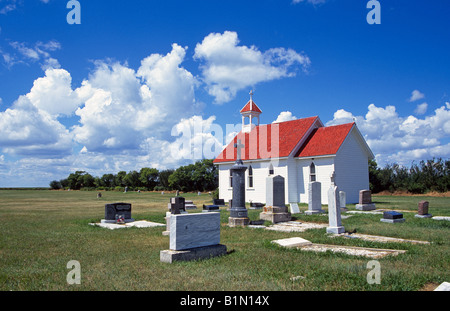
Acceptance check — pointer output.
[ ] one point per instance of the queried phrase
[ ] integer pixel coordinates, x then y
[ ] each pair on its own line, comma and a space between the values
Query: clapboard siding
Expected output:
324, 167
352, 170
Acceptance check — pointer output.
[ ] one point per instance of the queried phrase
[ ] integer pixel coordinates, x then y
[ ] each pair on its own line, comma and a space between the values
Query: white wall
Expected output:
352, 169
324, 167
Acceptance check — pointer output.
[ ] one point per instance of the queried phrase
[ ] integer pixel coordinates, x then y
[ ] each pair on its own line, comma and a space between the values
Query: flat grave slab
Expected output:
137, 224
441, 218
377, 238
295, 226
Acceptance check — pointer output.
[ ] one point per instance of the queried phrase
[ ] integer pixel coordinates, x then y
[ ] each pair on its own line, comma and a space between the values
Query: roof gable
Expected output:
325, 140
250, 106
258, 144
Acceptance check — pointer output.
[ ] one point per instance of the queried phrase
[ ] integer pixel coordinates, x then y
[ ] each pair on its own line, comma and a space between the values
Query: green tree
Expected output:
149, 177
118, 180
164, 178
132, 179
55, 185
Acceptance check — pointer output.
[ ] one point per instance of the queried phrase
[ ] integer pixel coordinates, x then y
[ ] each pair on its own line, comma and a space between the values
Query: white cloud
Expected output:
392, 137
416, 95
285, 116
40, 52
53, 93
124, 107
421, 109
228, 67
29, 131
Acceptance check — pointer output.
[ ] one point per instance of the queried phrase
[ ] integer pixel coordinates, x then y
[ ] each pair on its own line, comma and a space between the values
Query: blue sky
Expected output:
123, 89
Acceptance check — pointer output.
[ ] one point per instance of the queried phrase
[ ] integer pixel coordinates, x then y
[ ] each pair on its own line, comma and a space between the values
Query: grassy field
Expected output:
42, 230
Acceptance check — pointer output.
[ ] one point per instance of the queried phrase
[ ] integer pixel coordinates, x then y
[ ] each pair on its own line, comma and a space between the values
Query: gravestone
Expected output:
275, 209
294, 209
392, 217
314, 198
365, 201
189, 205
256, 205
238, 211
177, 205
334, 211
210, 208
115, 211
343, 201
423, 210
193, 236
220, 202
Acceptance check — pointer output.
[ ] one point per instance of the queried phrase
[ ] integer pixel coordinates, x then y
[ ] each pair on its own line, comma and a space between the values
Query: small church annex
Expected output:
301, 151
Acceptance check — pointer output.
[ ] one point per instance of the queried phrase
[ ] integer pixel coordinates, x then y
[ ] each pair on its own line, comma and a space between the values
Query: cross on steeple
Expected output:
238, 147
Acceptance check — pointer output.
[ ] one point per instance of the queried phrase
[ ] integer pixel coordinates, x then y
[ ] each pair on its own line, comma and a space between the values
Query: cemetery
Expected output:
318, 251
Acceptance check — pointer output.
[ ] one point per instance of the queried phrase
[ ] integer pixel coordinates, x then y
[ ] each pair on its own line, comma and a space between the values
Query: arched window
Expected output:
250, 176
231, 179
312, 172
271, 169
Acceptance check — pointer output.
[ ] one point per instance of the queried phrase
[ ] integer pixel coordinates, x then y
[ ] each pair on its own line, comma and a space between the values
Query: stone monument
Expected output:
314, 198
275, 209
334, 210
343, 201
238, 211
193, 236
115, 211
392, 217
423, 210
365, 201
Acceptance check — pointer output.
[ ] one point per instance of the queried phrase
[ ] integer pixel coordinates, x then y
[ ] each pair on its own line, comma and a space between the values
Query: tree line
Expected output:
422, 177
200, 176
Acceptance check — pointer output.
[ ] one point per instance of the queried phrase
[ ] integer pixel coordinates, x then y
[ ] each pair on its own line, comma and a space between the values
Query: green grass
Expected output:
42, 230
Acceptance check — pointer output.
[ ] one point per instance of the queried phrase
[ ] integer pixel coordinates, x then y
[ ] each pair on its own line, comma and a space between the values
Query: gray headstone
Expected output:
275, 191
334, 210
238, 211
314, 198
342, 199
365, 201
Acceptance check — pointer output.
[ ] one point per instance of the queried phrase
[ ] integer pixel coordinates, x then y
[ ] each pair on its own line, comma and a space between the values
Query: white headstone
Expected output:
334, 210
194, 230
294, 208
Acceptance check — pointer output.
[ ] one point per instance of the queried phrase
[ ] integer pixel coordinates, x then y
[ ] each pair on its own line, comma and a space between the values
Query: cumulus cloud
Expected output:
28, 131
124, 107
392, 137
416, 95
228, 67
285, 116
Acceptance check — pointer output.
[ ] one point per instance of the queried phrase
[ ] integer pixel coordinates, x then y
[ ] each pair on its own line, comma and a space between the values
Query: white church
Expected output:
301, 151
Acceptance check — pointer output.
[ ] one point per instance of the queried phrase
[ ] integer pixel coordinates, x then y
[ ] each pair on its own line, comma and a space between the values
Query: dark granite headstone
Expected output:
218, 201
114, 210
255, 205
177, 205
392, 215
210, 208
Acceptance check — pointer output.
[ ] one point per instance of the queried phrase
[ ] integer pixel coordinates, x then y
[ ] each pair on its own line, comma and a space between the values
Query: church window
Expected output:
271, 172
231, 179
250, 176
312, 172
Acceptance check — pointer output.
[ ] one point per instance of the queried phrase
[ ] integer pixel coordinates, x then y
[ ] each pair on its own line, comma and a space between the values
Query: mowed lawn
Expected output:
41, 231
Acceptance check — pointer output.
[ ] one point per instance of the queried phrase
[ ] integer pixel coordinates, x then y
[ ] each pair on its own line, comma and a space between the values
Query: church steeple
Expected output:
250, 110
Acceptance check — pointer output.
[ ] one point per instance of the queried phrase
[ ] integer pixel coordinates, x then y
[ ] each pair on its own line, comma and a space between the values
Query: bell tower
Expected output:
250, 111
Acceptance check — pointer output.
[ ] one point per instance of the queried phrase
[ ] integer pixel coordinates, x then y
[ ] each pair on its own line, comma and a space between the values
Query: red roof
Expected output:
251, 106
324, 140
290, 133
